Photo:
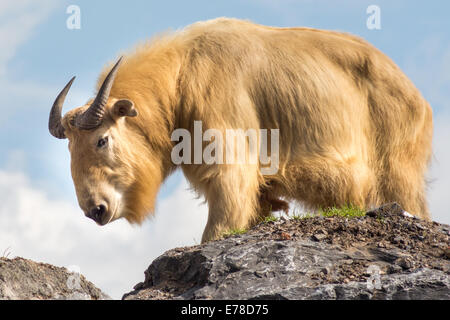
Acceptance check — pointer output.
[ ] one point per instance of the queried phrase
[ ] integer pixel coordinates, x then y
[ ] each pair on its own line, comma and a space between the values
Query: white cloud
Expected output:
114, 257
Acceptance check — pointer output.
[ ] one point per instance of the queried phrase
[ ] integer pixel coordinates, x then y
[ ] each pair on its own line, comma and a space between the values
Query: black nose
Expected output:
97, 213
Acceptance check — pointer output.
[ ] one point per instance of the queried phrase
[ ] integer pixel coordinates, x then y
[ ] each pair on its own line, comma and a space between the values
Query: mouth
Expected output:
104, 221
108, 217
112, 217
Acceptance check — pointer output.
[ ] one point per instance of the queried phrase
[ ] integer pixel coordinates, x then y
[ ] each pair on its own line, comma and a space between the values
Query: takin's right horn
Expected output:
93, 116
54, 122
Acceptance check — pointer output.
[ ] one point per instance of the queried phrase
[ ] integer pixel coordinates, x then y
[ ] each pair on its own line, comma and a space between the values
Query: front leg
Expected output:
232, 196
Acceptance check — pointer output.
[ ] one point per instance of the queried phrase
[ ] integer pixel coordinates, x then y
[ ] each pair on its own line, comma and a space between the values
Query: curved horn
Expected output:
92, 117
54, 122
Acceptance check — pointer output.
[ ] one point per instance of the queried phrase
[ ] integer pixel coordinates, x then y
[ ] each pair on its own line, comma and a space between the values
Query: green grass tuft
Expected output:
303, 216
270, 218
234, 232
348, 211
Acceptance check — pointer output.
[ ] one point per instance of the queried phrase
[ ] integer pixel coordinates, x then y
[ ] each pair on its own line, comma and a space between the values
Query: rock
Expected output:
387, 210
397, 240
447, 253
285, 236
325, 270
26, 279
404, 262
394, 269
319, 236
261, 264
384, 255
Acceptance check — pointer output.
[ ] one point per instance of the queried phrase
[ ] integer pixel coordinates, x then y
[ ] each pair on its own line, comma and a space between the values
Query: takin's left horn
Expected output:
93, 116
54, 122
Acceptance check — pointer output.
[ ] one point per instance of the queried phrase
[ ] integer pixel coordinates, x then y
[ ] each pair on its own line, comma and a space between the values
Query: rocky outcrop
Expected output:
387, 254
25, 279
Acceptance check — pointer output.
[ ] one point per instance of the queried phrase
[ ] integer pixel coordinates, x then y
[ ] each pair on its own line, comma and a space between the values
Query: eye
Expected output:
102, 142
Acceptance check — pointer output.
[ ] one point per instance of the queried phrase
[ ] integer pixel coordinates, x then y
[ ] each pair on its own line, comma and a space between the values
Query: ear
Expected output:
124, 108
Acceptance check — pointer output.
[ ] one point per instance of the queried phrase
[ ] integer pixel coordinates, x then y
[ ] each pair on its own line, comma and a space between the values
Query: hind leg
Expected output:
405, 185
406, 155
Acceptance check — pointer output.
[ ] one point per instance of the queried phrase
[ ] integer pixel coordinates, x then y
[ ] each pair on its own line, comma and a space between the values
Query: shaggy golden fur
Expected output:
353, 128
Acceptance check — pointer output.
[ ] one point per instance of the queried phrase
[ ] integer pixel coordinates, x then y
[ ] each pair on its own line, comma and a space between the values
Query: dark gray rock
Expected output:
388, 209
239, 269
266, 264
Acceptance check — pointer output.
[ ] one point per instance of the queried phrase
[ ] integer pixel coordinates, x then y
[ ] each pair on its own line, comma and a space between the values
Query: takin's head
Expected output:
115, 173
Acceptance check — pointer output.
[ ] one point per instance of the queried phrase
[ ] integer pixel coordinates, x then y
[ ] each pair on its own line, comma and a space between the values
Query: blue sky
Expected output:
39, 54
